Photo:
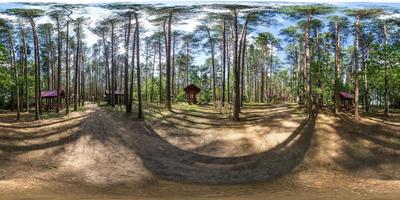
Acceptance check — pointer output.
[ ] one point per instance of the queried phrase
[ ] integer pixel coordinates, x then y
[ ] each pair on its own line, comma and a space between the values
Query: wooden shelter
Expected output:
346, 100
191, 91
50, 96
118, 95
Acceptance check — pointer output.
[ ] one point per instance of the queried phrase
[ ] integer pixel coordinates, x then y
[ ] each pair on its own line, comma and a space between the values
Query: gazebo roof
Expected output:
345, 95
51, 94
116, 92
192, 88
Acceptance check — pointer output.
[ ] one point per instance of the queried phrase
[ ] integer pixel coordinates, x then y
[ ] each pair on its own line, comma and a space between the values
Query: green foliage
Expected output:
364, 13
26, 13
301, 11
181, 97
3, 54
205, 97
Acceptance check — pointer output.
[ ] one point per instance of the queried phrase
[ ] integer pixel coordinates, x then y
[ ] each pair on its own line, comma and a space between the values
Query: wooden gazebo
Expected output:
191, 91
118, 95
49, 96
346, 100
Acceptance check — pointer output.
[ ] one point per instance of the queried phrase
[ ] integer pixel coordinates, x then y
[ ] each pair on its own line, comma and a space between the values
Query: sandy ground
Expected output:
275, 151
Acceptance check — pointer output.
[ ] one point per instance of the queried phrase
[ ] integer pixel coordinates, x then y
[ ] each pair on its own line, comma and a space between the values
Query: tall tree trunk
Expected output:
113, 81
133, 65
187, 65
223, 64
174, 91
58, 64
319, 83
159, 69
236, 77
356, 70
67, 96
128, 104
337, 66
214, 93
152, 75
366, 87
15, 66
76, 78
263, 80
25, 63
307, 66
168, 63
146, 70
298, 66
107, 68
240, 54
48, 48
243, 52
271, 69
139, 87
386, 96
82, 78
228, 71
37, 70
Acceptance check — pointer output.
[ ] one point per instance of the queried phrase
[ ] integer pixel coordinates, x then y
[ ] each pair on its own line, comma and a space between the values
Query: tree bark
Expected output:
37, 70
223, 64
76, 78
174, 90
113, 81
168, 63
25, 63
14, 65
139, 87
160, 70
152, 75
307, 66
128, 104
187, 65
337, 66
214, 93
67, 96
236, 77
58, 64
356, 75
133, 65
386, 96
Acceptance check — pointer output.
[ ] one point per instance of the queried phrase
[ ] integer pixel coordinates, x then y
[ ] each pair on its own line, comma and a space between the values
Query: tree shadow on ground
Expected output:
205, 120
369, 150
47, 124
172, 163
14, 140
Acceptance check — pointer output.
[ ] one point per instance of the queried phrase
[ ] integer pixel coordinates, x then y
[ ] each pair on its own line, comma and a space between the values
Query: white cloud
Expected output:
196, 1
391, 16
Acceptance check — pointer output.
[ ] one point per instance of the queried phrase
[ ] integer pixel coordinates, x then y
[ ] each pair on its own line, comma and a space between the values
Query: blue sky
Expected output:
96, 13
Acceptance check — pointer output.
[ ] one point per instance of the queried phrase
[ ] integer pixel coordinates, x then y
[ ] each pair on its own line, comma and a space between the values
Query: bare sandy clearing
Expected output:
274, 148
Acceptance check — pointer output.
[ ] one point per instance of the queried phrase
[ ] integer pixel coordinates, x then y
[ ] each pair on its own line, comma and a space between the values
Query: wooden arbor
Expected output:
346, 100
118, 95
191, 91
50, 97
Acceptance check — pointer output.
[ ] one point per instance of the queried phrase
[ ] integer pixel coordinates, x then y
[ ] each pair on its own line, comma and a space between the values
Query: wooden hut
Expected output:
191, 91
50, 96
346, 100
119, 96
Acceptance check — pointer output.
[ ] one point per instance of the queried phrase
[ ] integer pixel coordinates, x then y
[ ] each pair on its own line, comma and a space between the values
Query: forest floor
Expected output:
195, 152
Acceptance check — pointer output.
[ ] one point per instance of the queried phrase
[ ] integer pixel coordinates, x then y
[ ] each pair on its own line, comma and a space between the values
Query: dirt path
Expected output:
104, 152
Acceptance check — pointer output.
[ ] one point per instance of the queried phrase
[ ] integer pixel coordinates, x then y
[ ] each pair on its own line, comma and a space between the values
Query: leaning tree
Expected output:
338, 26
298, 12
58, 15
30, 15
359, 15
